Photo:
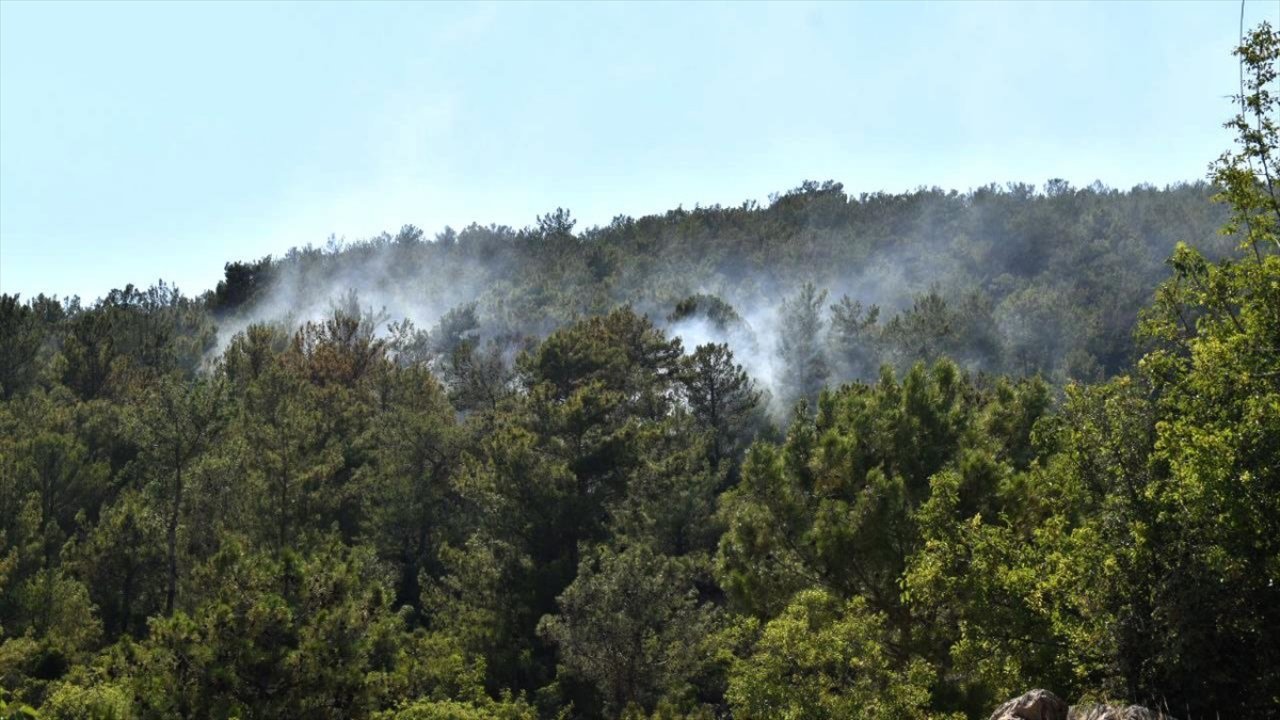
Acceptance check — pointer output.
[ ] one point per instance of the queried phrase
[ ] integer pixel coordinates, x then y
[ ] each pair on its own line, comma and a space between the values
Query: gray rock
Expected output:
1044, 705
1110, 712
1035, 705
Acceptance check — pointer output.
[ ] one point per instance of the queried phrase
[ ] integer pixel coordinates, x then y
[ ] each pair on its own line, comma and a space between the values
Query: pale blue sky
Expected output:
146, 141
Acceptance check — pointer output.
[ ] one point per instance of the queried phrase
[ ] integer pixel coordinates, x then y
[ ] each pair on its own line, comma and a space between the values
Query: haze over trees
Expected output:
882, 456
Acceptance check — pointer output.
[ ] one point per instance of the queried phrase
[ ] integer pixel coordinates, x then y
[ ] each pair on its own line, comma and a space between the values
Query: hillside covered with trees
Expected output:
876, 456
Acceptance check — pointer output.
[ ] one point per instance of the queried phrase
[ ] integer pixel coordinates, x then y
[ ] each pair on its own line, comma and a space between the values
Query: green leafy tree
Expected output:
669, 501
178, 421
855, 338
21, 337
1139, 559
289, 459
831, 507
412, 505
722, 398
274, 637
123, 560
801, 345
823, 658
631, 624
926, 332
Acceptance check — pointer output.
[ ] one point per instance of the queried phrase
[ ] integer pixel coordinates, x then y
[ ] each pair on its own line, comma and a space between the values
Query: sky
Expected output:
151, 141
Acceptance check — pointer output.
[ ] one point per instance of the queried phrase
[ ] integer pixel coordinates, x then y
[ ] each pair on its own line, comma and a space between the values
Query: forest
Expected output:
833, 456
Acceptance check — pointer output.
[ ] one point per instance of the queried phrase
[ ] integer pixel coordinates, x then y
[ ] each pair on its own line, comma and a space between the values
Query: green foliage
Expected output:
722, 398
715, 310
11, 709
543, 506
123, 561
630, 624
821, 658
21, 337
242, 281
1139, 559
407, 481
453, 710
832, 507
802, 345
101, 701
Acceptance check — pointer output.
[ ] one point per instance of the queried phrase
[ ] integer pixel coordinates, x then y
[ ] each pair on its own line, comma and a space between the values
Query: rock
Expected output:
1044, 705
1110, 712
1035, 705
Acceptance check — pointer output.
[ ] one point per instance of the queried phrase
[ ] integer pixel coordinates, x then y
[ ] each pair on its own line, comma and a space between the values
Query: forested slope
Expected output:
620, 473
1002, 279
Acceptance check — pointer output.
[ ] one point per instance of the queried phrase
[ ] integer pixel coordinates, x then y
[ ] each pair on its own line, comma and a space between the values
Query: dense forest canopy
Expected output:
1014, 279
881, 456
